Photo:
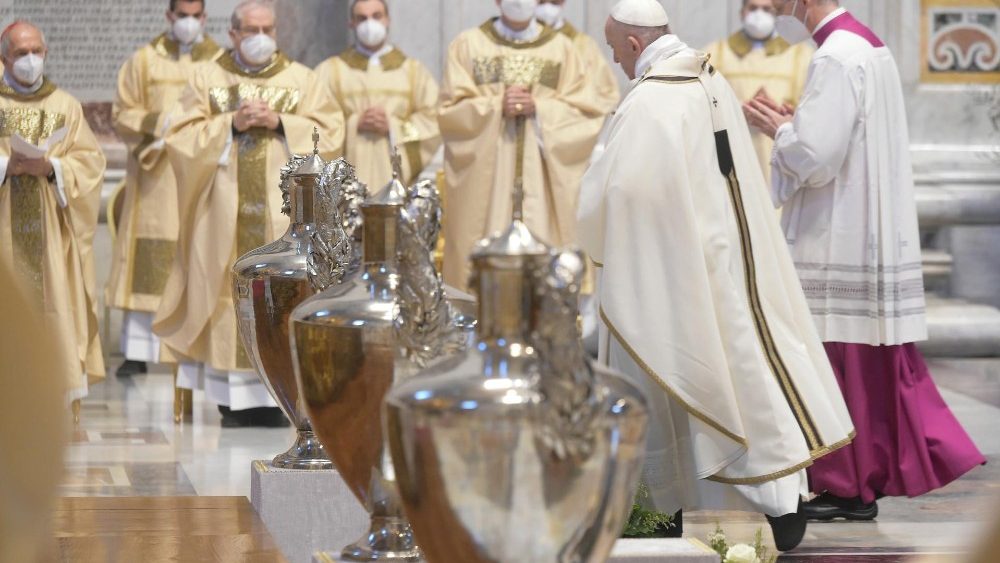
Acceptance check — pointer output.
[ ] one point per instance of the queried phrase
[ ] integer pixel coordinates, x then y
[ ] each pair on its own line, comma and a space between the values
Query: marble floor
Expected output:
128, 445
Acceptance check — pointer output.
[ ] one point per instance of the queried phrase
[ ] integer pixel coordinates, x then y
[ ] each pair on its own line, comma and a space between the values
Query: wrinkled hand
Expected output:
767, 115
255, 113
19, 165
374, 120
518, 101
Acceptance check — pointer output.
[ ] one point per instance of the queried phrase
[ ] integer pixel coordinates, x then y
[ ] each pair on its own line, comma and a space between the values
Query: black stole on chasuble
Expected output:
252, 154
27, 218
727, 167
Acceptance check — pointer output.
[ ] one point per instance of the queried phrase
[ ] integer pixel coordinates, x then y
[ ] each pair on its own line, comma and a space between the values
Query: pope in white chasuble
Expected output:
516, 108
388, 99
149, 85
700, 304
240, 120
52, 169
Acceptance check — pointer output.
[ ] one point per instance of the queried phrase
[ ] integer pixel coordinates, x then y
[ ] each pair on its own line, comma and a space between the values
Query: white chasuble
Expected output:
700, 304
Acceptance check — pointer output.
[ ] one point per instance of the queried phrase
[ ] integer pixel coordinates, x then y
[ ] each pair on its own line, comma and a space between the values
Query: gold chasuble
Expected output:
486, 153
149, 86
599, 72
228, 195
401, 86
777, 67
47, 226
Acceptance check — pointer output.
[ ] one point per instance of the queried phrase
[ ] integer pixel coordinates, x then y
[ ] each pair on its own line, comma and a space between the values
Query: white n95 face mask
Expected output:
791, 29
29, 69
549, 14
187, 30
759, 24
518, 10
371, 33
258, 49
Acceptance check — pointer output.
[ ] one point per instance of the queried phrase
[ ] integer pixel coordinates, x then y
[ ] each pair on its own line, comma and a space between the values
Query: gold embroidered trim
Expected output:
742, 45
666, 387
569, 31
519, 70
544, 37
33, 124
813, 456
278, 63
770, 348
151, 263
27, 229
279, 99
44, 91
357, 60
414, 159
167, 48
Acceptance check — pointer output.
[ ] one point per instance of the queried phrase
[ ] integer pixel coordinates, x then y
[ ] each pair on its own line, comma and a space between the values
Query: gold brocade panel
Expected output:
279, 99
251, 217
35, 125
151, 262
520, 70
27, 226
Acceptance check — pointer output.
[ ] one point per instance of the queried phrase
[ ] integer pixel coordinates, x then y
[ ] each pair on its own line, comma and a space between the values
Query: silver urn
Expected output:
519, 449
269, 282
353, 340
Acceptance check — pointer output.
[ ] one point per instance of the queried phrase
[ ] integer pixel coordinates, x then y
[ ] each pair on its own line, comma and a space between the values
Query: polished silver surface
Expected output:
268, 283
518, 449
348, 355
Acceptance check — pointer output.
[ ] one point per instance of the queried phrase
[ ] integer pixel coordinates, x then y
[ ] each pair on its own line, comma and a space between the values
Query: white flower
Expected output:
741, 553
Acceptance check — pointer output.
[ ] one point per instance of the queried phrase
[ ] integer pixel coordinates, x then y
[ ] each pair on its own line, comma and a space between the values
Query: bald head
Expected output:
627, 42
19, 39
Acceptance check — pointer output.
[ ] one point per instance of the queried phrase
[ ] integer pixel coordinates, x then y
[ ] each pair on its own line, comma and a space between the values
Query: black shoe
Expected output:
788, 530
265, 417
268, 417
828, 507
130, 368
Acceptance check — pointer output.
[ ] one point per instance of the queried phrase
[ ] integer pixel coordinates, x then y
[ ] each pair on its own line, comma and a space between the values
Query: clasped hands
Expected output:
255, 113
374, 120
20, 165
517, 101
766, 114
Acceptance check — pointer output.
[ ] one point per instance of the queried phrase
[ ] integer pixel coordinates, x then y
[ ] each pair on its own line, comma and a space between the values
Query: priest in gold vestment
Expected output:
52, 169
516, 106
388, 99
149, 86
240, 120
755, 60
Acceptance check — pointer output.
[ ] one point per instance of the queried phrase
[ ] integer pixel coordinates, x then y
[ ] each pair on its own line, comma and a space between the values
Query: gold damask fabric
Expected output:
32, 124
516, 70
279, 99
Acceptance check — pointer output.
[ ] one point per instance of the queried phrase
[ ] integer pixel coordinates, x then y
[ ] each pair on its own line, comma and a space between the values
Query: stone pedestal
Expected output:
627, 551
306, 511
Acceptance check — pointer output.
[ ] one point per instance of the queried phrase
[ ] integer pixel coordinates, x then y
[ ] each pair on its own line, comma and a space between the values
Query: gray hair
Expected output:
236, 22
5, 38
645, 35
